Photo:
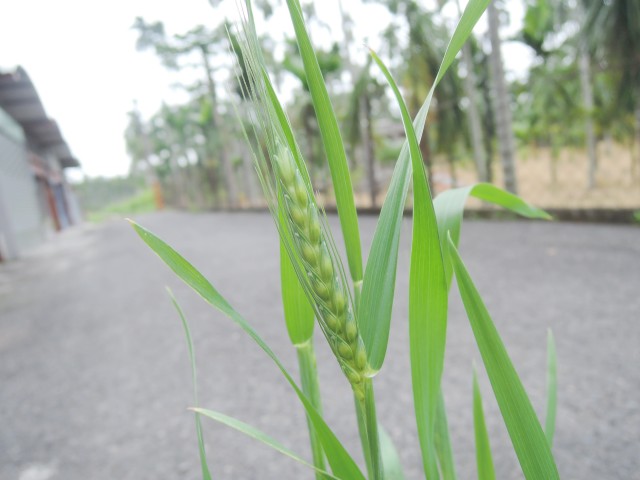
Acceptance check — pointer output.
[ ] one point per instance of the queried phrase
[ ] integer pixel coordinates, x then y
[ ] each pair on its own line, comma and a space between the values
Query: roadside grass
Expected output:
142, 202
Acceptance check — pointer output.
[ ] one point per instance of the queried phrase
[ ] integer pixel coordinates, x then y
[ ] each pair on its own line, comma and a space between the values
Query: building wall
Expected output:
21, 219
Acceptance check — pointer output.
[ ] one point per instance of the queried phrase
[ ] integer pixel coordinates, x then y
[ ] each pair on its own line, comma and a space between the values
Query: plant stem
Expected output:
364, 440
372, 429
368, 428
311, 388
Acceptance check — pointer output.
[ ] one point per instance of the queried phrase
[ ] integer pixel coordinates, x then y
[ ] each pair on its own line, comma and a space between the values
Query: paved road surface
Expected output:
94, 377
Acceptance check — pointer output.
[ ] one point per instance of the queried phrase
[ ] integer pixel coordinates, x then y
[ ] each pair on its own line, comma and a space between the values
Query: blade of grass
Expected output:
484, 459
311, 388
527, 437
333, 145
449, 207
472, 13
552, 388
444, 452
260, 436
339, 459
390, 457
380, 274
298, 313
427, 294
206, 474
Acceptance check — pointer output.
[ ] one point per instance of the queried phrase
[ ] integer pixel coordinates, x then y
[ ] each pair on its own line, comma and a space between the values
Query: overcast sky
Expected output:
82, 59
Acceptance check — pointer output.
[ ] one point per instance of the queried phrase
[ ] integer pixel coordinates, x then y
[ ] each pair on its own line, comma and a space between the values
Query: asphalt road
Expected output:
95, 381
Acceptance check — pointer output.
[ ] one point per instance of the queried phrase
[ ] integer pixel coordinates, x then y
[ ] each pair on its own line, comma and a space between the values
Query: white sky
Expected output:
82, 59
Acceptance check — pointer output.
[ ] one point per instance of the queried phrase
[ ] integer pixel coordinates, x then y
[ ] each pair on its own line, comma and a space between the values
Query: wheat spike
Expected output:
322, 283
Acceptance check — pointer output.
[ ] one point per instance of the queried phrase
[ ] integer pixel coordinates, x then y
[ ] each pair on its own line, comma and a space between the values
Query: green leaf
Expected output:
380, 274
299, 318
552, 388
443, 448
484, 459
378, 286
311, 388
298, 313
527, 437
390, 458
472, 13
206, 475
259, 435
427, 295
449, 207
333, 144
341, 462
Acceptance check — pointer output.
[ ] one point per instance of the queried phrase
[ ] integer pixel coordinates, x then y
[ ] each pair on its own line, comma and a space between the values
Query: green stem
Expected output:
368, 427
364, 439
311, 388
372, 429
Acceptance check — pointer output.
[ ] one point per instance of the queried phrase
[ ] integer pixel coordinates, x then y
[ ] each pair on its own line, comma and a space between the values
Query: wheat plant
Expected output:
353, 310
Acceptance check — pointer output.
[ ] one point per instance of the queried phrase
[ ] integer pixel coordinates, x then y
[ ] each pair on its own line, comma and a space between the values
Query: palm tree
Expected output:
614, 31
475, 125
547, 109
543, 19
584, 62
501, 103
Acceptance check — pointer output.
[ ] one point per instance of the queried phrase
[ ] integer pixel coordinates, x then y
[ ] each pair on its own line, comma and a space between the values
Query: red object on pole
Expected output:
157, 195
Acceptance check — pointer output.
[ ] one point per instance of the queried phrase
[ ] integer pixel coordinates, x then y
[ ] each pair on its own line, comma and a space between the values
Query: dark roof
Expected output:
18, 97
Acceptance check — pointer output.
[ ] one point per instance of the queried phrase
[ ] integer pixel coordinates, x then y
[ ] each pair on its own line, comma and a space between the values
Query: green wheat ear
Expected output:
322, 282
304, 234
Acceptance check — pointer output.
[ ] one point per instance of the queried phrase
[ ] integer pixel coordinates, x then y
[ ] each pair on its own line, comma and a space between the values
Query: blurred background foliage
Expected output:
565, 133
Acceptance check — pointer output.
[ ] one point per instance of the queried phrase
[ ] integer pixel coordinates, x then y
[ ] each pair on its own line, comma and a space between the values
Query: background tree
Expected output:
614, 30
359, 124
419, 62
544, 22
473, 114
501, 103
204, 44
547, 111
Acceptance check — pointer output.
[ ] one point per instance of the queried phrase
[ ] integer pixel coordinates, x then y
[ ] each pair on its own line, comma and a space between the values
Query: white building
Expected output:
35, 197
